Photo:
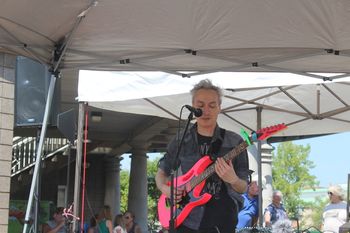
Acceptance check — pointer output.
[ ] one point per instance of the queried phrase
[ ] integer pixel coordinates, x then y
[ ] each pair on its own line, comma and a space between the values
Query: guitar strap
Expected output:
214, 150
216, 146
236, 197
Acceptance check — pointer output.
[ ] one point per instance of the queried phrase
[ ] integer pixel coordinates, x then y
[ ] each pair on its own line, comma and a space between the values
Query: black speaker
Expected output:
31, 89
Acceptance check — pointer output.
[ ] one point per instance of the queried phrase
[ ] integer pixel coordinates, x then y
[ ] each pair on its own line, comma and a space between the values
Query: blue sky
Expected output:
330, 154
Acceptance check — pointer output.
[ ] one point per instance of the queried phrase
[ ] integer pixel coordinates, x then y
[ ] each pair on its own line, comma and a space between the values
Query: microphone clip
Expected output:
196, 111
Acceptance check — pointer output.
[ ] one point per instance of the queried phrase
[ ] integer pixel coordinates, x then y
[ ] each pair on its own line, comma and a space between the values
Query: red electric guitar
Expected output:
194, 180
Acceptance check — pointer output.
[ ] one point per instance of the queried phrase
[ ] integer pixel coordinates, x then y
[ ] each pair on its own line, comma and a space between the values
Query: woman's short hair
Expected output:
206, 84
277, 193
130, 213
255, 178
337, 191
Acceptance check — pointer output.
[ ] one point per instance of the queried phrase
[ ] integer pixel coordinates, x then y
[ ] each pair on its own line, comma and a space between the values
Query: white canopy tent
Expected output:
307, 106
251, 101
184, 38
175, 36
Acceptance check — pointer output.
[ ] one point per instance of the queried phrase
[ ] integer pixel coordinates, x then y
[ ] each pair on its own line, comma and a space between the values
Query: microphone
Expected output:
196, 111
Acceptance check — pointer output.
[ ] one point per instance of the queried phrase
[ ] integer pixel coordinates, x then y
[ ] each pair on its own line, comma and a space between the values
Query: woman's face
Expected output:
277, 198
253, 188
209, 102
58, 217
127, 217
333, 198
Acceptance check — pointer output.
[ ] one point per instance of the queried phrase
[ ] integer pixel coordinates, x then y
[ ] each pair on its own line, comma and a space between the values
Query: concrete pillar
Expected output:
253, 157
112, 189
7, 81
266, 167
137, 199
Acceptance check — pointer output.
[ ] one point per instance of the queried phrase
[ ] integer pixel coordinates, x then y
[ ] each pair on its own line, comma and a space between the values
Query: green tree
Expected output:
290, 174
316, 208
153, 192
124, 190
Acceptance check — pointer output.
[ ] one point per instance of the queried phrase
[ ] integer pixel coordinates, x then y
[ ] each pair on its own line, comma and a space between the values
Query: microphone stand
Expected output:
172, 176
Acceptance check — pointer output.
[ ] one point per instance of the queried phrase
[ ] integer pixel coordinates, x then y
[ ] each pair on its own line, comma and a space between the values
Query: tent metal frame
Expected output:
59, 53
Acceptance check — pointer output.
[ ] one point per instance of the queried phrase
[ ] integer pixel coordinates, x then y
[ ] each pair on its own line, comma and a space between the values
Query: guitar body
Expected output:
192, 199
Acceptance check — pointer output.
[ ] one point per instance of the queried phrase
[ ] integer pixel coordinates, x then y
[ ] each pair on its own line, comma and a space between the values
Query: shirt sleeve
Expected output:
166, 163
241, 166
268, 208
240, 162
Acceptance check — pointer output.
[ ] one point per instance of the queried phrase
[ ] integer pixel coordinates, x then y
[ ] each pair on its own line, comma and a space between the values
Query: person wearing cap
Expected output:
275, 211
249, 214
334, 214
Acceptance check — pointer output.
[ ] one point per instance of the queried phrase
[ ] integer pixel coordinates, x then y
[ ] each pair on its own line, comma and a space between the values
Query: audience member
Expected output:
130, 224
275, 211
93, 228
105, 220
56, 224
119, 226
249, 214
334, 214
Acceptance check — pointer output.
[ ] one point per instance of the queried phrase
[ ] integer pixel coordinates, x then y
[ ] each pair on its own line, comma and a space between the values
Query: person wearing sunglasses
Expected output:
334, 214
130, 224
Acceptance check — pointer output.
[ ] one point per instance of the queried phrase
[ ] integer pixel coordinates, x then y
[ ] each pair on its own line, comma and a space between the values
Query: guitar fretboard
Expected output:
211, 169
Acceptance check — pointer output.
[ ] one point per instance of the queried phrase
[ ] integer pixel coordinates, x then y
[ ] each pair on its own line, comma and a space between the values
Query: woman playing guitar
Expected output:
212, 206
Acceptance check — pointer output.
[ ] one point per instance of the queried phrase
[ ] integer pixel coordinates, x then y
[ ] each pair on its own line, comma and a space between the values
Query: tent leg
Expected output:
39, 151
259, 111
37, 193
68, 176
78, 162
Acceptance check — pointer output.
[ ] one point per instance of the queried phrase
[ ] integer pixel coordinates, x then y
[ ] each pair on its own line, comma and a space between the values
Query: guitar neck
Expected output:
211, 169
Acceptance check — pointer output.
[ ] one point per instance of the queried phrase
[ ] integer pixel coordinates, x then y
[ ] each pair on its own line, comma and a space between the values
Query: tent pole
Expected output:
37, 193
39, 150
68, 150
78, 162
258, 126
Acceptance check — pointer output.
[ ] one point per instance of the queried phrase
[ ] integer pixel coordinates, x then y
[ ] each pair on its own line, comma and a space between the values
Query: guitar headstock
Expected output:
267, 132
262, 134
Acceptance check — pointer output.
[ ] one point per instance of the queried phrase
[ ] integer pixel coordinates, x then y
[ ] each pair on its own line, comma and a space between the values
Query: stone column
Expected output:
253, 157
266, 167
7, 81
112, 189
137, 199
